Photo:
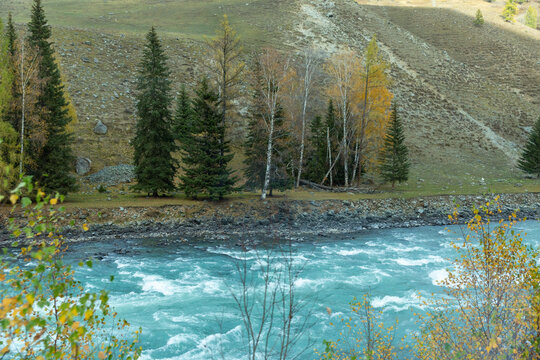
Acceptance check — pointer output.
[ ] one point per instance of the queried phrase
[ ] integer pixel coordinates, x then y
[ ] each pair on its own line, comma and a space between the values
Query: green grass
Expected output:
407, 191
192, 19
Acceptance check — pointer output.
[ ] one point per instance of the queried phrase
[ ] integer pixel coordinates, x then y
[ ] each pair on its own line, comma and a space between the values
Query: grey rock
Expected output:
100, 128
83, 165
113, 175
85, 59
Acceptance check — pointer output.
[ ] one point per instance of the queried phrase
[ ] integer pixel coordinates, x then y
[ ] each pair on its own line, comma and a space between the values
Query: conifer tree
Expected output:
56, 160
226, 66
206, 171
11, 35
6, 73
154, 143
183, 116
395, 163
530, 159
318, 161
479, 20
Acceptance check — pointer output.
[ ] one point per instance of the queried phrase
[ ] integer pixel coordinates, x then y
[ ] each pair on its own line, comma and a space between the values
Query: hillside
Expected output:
468, 95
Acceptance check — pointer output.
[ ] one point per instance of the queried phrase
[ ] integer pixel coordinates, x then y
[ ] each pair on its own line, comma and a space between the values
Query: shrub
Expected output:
479, 20
363, 335
531, 17
493, 289
509, 11
45, 313
8, 158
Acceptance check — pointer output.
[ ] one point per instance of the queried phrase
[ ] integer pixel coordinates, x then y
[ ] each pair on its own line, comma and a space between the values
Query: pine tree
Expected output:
12, 35
395, 163
56, 160
531, 17
6, 74
154, 143
317, 161
479, 20
183, 115
530, 159
205, 169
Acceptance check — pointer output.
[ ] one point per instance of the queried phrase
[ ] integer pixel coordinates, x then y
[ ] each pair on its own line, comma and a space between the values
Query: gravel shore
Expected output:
282, 218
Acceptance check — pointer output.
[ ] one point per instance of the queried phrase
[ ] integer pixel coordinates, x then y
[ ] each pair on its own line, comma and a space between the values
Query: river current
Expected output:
180, 293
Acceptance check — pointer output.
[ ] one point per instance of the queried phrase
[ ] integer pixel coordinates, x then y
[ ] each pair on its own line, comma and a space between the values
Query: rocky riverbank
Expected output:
281, 218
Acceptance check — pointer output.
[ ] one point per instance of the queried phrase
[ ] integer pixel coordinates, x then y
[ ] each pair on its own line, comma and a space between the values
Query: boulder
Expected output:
100, 128
83, 165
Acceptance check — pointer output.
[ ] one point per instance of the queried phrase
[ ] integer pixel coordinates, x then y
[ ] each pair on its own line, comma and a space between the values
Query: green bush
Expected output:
44, 312
8, 158
510, 10
531, 17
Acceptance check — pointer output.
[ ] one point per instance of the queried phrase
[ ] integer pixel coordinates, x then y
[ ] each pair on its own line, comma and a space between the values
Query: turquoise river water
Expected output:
180, 294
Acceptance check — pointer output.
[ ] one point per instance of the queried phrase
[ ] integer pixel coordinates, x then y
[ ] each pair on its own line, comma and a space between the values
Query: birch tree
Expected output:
22, 111
343, 70
275, 72
307, 70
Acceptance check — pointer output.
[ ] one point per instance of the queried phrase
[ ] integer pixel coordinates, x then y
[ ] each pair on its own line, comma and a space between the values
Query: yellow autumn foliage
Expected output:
491, 307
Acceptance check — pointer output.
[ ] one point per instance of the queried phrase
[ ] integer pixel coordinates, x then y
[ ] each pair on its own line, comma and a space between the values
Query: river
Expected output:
180, 293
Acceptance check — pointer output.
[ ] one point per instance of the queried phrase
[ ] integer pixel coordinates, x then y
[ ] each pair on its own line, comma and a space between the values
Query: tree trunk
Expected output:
268, 157
356, 160
329, 151
302, 140
345, 145
363, 124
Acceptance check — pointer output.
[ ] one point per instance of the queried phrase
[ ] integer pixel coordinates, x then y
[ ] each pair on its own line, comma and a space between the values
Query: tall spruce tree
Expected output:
6, 74
11, 35
317, 163
11, 115
394, 156
206, 170
54, 165
154, 142
324, 140
183, 116
530, 159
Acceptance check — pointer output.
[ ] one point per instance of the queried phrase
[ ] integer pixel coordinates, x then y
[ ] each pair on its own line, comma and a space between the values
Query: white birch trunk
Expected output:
268, 157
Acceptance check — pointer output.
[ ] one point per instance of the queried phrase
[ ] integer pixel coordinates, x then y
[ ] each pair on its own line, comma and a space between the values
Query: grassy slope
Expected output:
193, 19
